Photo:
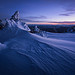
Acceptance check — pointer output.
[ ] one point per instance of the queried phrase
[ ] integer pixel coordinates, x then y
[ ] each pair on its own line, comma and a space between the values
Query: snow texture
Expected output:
24, 53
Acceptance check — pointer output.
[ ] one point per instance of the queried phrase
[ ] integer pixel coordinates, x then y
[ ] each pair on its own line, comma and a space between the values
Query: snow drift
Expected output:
23, 53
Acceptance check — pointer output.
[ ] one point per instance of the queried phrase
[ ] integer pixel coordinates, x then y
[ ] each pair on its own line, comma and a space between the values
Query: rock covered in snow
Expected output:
15, 16
36, 29
20, 25
15, 22
10, 23
40, 32
1, 25
12, 28
71, 29
23, 26
29, 54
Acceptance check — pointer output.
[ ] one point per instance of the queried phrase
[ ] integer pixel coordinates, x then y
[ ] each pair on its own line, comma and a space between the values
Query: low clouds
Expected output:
28, 20
48, 22
36, 17
63, 22
67, 14
69, 7
64, 14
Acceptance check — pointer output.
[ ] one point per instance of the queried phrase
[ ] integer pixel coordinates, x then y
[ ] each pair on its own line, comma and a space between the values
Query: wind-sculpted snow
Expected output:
27, 53
11, 29
2, 46
23, 53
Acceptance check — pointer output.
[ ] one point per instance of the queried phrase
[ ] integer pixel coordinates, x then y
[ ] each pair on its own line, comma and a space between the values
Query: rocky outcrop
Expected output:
15, 16
1, 25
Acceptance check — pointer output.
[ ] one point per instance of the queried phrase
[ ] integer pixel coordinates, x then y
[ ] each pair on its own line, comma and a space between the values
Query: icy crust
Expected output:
12, 24
15, 22
12, 29
44, 55
23, 53
2, 46
23, 26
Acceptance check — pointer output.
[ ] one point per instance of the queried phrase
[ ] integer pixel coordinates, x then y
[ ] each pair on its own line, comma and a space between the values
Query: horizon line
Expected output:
56, 23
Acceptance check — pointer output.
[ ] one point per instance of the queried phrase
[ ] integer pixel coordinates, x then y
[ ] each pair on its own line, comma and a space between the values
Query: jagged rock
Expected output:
71, 29
10, 23
36, 29
15, 17
23, 26
15, 23
1, 25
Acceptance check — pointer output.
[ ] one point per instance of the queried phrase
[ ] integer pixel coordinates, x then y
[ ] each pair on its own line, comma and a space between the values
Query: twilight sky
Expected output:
40, 11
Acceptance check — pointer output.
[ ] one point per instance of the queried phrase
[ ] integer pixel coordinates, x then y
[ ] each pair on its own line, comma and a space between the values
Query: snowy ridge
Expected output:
23, 26
12, 29
48, 57
24, 53
2, 46
12, 24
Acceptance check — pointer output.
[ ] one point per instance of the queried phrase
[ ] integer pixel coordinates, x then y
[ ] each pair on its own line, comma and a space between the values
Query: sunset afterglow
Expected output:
54, 23
53, 12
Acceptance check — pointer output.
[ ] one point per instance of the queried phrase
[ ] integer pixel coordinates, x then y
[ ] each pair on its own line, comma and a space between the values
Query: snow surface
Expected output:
24, 53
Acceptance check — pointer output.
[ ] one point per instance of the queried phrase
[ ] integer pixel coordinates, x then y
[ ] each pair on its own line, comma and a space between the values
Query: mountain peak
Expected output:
15, 22
15, 16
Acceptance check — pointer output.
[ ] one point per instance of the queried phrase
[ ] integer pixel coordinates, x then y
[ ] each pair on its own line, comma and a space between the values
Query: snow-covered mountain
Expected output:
24, 53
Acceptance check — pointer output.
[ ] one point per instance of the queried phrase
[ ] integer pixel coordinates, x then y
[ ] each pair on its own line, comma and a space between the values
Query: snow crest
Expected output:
24, 53
2, 46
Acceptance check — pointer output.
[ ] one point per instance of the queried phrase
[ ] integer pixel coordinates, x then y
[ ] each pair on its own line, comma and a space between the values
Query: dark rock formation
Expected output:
15, 17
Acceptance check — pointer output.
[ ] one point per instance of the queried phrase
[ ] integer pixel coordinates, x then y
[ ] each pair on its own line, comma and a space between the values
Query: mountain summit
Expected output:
15, 16
15, 22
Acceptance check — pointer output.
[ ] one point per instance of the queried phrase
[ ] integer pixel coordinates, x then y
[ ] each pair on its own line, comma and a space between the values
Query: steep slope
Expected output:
23, 53
42, 56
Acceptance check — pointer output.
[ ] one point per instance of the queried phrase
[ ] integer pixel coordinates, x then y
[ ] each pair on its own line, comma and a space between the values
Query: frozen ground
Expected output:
24, 53
30, 54
62, 36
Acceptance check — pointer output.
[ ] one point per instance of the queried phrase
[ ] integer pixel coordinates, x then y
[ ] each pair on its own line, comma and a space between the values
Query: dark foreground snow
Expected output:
23, 53
28, 54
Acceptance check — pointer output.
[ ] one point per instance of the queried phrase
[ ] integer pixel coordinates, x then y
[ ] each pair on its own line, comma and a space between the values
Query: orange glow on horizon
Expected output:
53, 23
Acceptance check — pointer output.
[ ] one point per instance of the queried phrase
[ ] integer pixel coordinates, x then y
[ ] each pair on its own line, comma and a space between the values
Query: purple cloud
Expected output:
64, 14
68, 6
63, 22
28, 20
36, 17
67, 14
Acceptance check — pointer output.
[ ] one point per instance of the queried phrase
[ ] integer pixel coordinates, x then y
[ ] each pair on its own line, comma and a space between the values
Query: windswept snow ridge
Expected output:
23, 53
2, 46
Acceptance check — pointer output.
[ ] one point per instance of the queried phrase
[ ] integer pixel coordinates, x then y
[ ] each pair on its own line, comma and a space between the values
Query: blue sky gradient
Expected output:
39, 10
